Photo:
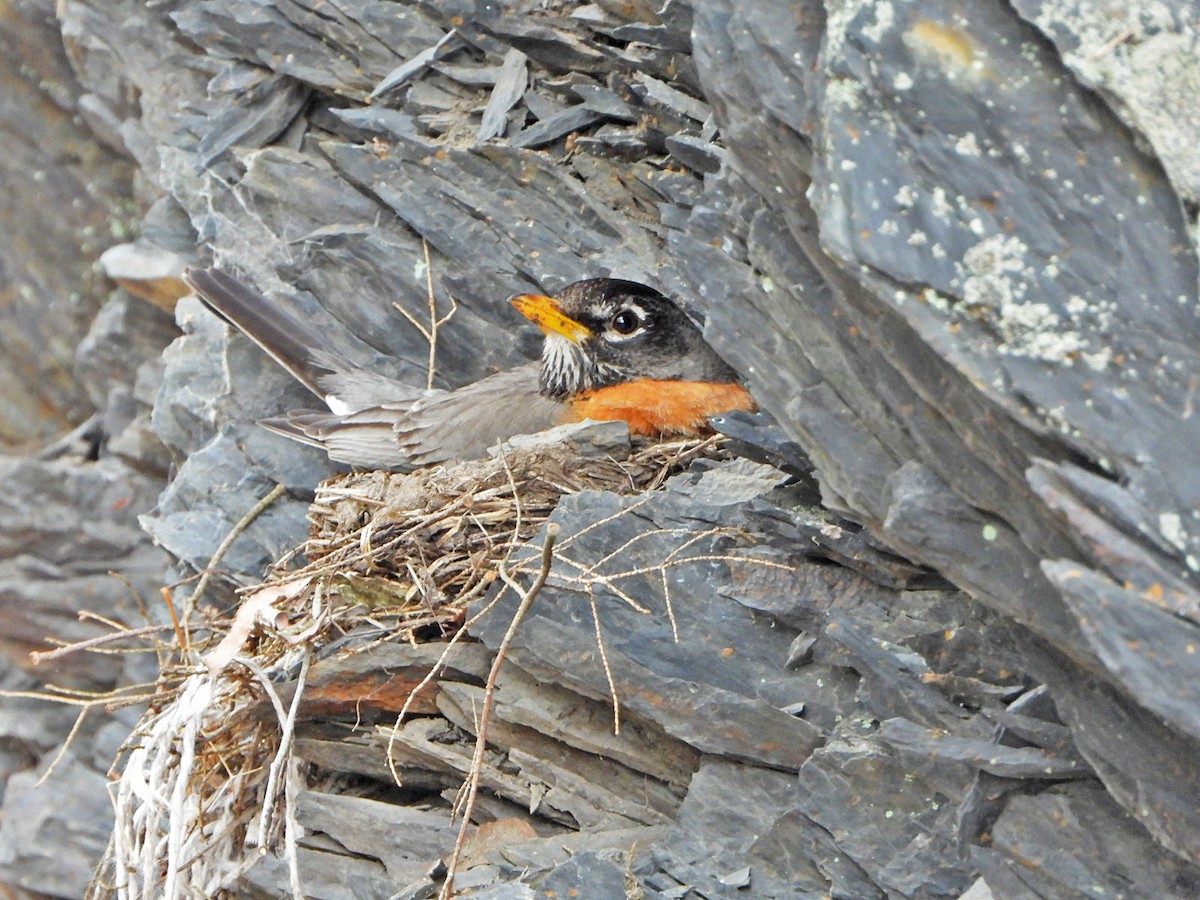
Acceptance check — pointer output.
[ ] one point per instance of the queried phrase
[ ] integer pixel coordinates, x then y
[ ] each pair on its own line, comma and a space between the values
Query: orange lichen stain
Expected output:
656, 408
951, 51
728, 652
951, 45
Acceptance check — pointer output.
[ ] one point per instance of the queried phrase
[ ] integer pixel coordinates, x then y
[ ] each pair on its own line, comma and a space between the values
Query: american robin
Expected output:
613, 350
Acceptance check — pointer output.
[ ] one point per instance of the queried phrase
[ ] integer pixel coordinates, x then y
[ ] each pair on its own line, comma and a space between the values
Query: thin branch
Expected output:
202, 585
280, 769
37, 657
489, 699
600, 523
430, 333
612, 685
666, 584
291, 828
62, 751
180, 637
51, 694
433, 673
87, 615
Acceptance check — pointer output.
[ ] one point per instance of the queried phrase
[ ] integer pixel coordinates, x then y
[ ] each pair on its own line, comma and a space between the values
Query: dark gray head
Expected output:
605, 331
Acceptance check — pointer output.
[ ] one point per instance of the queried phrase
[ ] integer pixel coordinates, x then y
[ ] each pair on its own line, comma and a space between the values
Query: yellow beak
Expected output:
546, 314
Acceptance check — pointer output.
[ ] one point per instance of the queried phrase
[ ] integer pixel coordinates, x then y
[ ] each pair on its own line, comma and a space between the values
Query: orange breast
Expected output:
661, 408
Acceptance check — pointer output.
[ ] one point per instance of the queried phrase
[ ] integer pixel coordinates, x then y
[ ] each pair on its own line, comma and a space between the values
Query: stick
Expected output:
62, 751
431, 333
612, 685
488, 702
40, 656
180, 638
202, 585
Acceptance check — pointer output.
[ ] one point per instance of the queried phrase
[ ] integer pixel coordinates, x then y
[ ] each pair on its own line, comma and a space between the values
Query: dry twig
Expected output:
37, 657
219, 554
430, 332
489, 700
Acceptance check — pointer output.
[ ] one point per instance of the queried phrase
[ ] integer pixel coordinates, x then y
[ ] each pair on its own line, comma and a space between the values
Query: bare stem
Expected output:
430, 333
40, 656
202, 585
489, 693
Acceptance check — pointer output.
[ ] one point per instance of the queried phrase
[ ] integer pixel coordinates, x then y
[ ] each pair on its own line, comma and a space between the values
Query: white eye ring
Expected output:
627, 323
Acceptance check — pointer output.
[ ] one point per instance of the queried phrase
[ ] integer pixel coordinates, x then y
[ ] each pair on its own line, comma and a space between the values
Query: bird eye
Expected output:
626, 322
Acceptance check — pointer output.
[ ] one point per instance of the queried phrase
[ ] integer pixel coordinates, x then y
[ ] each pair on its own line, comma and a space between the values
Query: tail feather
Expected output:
288, 340
365, 439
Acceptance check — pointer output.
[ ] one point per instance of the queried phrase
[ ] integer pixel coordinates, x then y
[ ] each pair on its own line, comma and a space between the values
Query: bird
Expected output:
612, 350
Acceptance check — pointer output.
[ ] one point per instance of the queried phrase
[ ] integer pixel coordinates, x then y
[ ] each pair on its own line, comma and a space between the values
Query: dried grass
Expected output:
204, 788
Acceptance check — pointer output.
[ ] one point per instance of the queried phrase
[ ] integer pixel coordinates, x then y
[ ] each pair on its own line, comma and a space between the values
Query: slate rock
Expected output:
954, 263
1141, 65
1013, 762
53, 833
727, 823
57, 213
551, 129
509, 88
124, 334
259, 116
1062, 842
586, 873
64, 526
694, 152
722, 650
897, 826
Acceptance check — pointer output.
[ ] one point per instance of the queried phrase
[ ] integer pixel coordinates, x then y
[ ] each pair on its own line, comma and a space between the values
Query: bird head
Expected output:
604, 331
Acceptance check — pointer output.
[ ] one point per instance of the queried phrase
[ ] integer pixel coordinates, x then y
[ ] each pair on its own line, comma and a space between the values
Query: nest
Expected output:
417, 549
390, 557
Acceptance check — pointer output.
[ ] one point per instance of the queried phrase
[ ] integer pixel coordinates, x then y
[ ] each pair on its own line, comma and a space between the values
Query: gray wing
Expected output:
295, 344
365, 439
463, 424
439, 427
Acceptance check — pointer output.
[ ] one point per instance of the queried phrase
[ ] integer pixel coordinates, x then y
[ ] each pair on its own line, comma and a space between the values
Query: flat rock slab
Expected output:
949, 245
727, 664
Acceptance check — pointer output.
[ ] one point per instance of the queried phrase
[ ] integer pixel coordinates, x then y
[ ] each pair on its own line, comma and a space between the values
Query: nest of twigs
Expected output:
418, 548
390, 557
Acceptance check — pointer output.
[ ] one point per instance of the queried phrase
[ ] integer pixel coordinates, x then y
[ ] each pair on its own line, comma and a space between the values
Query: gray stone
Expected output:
954, 263
53, 833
